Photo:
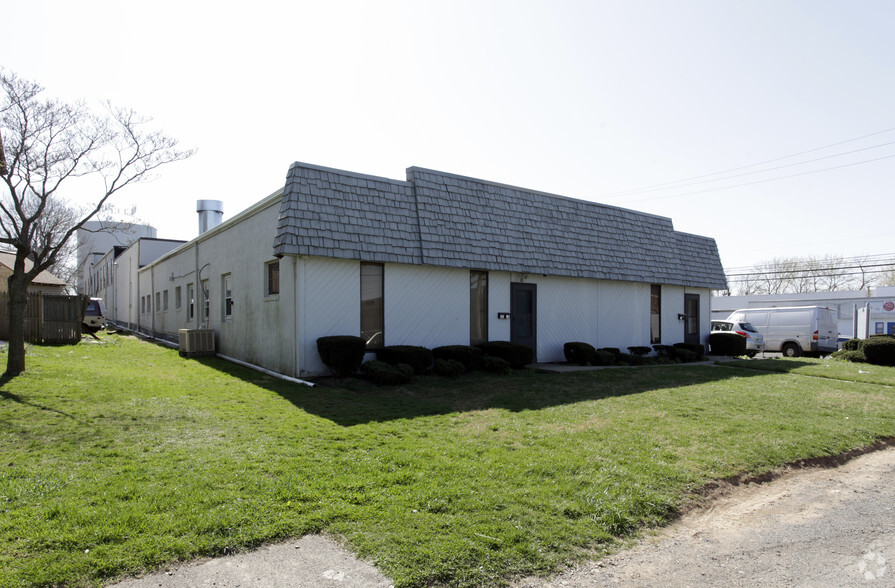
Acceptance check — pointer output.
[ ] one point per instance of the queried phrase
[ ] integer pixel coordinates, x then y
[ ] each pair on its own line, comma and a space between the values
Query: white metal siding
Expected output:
566, 311
426, 306
329, 304
624, 315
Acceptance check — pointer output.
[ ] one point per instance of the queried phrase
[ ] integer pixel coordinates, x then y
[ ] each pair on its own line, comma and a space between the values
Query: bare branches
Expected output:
47, 143
44, 144
828, 273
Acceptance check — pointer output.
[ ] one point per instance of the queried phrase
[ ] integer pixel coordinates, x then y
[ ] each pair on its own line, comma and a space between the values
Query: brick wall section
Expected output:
443, 219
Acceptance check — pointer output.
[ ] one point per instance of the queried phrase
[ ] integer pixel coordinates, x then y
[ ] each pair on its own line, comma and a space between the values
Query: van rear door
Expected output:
827, 330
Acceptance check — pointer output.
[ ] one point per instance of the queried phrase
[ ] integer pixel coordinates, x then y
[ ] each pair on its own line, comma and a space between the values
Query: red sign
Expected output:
889, 306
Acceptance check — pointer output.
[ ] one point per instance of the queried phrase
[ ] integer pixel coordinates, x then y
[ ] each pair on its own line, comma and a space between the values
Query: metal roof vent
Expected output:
211, 213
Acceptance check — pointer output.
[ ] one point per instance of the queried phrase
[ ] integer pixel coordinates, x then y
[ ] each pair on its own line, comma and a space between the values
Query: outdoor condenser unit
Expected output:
196, 342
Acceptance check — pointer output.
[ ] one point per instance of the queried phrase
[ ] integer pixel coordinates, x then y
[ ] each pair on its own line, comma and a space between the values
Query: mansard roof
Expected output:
441, 219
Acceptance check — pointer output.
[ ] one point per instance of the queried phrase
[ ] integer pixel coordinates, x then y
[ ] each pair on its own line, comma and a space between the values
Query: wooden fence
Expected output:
53, 319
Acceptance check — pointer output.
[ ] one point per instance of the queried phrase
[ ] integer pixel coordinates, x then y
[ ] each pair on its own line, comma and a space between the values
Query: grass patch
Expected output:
836, 369
119, 457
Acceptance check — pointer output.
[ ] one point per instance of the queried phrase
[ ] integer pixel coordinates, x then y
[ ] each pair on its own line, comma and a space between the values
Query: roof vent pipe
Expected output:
211, 213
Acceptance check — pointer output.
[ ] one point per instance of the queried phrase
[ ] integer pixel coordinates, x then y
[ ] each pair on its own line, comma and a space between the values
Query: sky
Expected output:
768, 125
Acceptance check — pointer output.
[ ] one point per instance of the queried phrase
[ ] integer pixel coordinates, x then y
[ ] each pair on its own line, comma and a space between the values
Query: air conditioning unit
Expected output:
196, 342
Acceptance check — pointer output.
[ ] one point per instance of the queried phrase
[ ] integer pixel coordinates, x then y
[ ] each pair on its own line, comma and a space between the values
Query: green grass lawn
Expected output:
119, 457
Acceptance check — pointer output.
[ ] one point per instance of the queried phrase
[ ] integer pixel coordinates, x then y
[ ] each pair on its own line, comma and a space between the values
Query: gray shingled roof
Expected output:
442, 219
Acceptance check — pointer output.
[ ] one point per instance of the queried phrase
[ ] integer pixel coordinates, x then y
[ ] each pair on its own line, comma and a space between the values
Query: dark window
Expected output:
191, 301
478, 307
655, 307
371, 304
228, 296
273, 278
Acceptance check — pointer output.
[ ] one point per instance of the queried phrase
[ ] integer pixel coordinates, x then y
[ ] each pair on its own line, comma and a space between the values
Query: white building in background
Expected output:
97, 238
876, 307
438, 259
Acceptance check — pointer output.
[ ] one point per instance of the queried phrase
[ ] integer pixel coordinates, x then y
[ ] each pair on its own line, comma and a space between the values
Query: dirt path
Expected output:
809, 527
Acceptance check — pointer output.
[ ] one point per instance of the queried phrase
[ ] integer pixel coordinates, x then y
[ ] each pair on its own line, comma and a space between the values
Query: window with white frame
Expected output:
206, 297
191, 301
273, 278
227, 289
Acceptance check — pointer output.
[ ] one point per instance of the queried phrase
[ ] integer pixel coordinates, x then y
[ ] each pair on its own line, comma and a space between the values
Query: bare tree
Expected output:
45, 144
827, 273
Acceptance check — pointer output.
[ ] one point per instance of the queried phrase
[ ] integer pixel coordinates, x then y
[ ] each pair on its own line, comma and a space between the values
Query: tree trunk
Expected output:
18, 301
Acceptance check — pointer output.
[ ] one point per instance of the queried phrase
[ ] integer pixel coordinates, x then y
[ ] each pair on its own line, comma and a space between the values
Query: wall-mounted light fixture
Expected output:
681, 317
503, 315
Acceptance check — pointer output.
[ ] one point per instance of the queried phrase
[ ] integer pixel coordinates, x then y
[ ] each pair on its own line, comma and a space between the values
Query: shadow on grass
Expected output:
354, 401
780, 366
4, 380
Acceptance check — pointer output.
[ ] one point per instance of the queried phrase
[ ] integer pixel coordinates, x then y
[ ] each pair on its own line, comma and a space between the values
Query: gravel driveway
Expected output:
809, 527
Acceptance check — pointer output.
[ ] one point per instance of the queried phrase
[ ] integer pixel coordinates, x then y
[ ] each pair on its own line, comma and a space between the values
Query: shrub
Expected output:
579, 353
603, 357
449, 368
613, 350
697, 348
631, 359
342, 354
496, 365
853, 345
727, 343
854, 355
880, 350
384, 374
639, 350
666, 351
471, 357
516, 354
685, 355
419, 358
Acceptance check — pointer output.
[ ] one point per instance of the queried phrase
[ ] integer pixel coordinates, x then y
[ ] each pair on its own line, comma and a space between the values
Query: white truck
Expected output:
794, 330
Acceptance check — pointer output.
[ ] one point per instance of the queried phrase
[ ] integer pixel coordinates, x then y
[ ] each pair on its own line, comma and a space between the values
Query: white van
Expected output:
94, 315
794, 330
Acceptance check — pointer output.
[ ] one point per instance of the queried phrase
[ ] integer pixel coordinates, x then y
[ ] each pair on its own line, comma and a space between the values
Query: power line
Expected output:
764, 181
856, 259
761, 171
689, 179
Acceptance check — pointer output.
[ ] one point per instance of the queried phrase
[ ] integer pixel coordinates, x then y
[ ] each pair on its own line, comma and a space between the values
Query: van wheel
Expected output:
791, 350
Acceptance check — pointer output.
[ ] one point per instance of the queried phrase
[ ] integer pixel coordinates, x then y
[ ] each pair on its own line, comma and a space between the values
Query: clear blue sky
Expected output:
594, 100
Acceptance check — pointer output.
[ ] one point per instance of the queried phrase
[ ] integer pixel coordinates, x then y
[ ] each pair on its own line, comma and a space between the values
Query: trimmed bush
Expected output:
579, 353
613, 350
697, 348
419, 358
853, 355
666, 351
471, 357
449, 368
639, 350
603, 357
516, 354
631, 359
342, 354
685, 355
853, 345
496, 365
879, 350
727, 343
384, 374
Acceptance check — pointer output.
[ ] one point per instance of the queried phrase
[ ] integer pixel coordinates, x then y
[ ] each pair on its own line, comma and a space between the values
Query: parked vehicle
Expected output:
754, 339
94, 316
794, 330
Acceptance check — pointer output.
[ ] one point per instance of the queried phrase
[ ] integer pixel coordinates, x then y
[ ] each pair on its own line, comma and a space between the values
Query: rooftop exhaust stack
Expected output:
211, 213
